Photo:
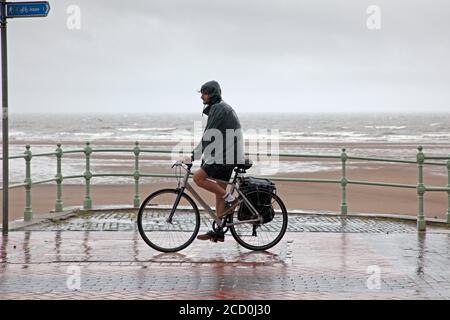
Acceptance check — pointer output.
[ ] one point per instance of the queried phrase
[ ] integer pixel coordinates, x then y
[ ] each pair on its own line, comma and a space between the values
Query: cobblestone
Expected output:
320, 257
126, 221
38, 265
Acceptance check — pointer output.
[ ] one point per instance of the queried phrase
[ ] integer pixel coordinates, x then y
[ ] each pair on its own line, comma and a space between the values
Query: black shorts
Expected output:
218, 171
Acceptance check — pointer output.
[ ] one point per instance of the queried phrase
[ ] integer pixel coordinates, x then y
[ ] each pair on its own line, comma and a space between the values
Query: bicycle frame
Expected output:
184, 184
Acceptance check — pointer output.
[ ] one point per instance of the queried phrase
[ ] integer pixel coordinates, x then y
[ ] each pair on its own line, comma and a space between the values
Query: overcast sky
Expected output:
273, 55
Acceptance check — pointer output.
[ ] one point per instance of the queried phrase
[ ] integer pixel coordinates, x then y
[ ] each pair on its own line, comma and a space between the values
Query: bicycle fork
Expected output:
175, 205
180, 191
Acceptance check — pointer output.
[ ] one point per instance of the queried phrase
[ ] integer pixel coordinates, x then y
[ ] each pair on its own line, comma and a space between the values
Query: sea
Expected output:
388, 135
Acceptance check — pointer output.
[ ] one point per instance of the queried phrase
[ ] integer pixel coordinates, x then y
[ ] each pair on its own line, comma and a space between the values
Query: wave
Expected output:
145, 129
94, 135
386, 127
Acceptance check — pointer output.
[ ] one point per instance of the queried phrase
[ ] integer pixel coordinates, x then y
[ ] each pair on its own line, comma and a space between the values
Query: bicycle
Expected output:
169, 219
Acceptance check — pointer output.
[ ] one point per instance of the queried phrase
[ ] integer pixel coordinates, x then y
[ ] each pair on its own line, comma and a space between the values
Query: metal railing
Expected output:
420, 187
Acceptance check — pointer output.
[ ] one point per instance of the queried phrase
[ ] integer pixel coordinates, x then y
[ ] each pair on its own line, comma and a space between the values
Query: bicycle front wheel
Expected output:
261, 236
165, 233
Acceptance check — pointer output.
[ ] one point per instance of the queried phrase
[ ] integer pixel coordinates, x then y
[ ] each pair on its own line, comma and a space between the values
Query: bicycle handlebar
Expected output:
177, 163
180, 163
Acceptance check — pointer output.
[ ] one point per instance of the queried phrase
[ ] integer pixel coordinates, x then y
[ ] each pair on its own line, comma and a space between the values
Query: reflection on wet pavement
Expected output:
303, 265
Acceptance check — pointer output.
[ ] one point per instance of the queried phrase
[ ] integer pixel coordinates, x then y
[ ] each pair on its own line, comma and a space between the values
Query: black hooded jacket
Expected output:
221, 117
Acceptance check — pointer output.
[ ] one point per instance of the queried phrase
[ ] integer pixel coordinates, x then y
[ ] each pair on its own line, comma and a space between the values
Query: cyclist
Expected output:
219, 159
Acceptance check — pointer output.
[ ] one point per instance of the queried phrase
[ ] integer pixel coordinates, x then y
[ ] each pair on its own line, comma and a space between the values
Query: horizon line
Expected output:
240, 112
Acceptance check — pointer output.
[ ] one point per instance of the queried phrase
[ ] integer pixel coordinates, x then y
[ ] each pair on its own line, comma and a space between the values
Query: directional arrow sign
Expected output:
27, 9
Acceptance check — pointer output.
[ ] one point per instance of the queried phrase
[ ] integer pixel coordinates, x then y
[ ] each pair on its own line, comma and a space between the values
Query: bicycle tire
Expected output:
283, 214
143, 232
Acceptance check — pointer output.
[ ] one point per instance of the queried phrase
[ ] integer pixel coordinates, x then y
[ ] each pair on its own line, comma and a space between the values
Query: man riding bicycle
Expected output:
222, 148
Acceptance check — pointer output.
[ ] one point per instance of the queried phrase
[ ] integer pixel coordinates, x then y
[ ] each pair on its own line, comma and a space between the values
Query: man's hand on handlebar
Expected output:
186, 159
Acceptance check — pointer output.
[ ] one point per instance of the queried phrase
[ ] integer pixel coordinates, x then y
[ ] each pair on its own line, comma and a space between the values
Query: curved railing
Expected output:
420, 187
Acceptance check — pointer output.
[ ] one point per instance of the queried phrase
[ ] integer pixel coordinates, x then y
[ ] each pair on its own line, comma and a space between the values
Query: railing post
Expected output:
87, 175
421, 224
448, 192
137, 199
28, 213
344, 182
59, 177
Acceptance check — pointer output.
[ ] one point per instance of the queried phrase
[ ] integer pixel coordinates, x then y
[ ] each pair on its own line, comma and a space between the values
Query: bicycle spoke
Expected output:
267, 234
161, 234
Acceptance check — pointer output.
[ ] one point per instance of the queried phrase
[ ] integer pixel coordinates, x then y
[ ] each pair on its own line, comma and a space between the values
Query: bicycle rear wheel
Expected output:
261, 236
163, 234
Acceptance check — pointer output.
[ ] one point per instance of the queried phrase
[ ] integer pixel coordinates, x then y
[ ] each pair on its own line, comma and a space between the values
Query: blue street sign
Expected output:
27, 9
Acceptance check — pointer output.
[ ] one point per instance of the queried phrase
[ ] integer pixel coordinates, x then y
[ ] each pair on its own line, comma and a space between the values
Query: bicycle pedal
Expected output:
218, 237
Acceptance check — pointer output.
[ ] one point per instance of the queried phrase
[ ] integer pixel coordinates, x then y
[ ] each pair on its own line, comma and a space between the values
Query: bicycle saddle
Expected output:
246, 165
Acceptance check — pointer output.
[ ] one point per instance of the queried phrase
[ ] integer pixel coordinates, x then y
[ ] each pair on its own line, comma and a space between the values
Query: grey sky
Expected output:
273, 55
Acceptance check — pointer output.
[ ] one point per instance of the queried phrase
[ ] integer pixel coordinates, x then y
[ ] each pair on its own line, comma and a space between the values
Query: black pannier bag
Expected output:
261, 201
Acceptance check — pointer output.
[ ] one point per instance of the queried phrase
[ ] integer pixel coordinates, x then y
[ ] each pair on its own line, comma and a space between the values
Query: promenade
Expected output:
100, 255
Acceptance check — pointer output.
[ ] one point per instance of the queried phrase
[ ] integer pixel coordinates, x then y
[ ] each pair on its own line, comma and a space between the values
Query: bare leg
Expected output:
200, 178
220, 201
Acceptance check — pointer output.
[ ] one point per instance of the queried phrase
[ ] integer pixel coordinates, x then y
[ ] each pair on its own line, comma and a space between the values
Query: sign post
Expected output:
27, 9
4, 119
12, 10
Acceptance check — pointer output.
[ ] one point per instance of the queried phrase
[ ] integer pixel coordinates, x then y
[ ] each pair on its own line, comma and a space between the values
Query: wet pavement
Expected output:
90, 256
125, 221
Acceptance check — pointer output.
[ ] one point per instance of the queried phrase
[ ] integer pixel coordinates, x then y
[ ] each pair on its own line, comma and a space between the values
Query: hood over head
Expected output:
212, 88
